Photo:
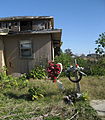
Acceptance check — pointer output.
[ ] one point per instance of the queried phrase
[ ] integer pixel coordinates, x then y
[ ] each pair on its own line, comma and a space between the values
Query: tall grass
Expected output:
15, 104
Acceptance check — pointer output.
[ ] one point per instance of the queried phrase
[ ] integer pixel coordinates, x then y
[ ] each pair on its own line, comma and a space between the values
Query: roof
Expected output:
40, 31
48, 31
24, 18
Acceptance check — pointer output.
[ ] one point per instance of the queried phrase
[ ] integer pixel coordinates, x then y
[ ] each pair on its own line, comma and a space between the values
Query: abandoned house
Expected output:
27, 41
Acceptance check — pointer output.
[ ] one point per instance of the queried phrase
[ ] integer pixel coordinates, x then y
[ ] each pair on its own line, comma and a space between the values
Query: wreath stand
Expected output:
74, 73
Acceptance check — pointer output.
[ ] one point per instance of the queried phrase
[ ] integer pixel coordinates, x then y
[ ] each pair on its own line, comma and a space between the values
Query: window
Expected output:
4, 25
25, 49
15, 24
25, 25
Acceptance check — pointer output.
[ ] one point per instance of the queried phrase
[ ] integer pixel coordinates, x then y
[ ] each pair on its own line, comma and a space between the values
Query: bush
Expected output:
90, 67
65, 59
35, 93
37, 73
8, 81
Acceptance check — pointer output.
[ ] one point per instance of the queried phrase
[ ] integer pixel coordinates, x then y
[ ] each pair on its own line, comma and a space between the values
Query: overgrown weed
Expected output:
15, 104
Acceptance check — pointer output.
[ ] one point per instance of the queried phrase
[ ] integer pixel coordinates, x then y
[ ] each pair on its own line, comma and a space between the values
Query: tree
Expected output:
68, 51
82, 55
101, 44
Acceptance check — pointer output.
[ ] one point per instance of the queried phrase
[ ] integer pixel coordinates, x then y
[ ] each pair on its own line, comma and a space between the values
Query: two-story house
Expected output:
26, 41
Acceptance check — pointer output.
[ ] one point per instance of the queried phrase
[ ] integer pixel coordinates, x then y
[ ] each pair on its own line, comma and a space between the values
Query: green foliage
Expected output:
53, 118
37, 73
97, 68
22, 81
66, 61
91, 67
85, 111
35, 93
15, 105
8, 81
84, 96
68, 52
101, 44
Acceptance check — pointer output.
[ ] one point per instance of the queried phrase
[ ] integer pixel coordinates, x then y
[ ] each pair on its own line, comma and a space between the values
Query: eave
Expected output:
55, 34
15, 18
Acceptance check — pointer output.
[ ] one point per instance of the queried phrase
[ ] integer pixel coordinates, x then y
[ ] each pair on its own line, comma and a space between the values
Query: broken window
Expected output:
15, 24
25, 49
4, 25
25, 25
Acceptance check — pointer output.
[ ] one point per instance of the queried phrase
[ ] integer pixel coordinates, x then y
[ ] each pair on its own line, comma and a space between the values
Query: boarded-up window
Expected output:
26, 49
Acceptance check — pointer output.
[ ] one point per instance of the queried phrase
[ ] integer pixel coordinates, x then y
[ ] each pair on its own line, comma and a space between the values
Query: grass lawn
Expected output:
15, 104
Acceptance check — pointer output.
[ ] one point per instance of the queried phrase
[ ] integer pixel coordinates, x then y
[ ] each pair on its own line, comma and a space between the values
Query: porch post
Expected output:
2, 61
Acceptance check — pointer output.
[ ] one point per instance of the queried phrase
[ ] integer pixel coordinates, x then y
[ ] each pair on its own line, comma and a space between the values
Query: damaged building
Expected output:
27, 41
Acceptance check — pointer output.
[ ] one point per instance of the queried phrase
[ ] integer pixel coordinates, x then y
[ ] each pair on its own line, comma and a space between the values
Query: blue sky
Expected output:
81, 20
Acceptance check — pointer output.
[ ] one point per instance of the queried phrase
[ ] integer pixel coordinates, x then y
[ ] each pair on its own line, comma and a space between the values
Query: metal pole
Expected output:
78, 87
77, 84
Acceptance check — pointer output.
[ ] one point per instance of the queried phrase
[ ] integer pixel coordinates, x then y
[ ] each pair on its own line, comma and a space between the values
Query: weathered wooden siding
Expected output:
41, 52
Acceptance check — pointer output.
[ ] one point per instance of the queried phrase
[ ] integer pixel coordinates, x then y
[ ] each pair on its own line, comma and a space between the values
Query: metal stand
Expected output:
76, 75
78, 88
77, 84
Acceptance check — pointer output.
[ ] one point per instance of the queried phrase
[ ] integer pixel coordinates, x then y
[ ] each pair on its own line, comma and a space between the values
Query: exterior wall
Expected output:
41, 52
2, 63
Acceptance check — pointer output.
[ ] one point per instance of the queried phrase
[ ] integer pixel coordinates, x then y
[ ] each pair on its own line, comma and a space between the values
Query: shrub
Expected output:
90, 67
35, 93
65, 59
8, 81
37, 73
22, 81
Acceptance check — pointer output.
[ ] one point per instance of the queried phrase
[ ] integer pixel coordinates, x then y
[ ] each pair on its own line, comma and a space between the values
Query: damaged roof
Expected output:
25, 18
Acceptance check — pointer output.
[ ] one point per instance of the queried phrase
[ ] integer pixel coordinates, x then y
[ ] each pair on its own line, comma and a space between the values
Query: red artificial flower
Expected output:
53, 70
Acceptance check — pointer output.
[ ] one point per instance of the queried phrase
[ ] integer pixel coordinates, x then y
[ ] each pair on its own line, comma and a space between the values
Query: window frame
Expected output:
30, 48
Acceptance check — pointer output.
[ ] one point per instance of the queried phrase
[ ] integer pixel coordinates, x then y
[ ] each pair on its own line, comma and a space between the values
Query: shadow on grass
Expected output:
69, 91
49, 94
26, 97
14, 96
